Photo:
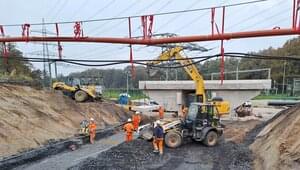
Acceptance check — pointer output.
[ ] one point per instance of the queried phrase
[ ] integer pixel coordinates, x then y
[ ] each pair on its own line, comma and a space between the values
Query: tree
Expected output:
16, 66
116, 78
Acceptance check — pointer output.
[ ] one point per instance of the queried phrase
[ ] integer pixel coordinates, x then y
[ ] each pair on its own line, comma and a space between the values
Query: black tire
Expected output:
81, 96
146, 133
173, 139
211, 138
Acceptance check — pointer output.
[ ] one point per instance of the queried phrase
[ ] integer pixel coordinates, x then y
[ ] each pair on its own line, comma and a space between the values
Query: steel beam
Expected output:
153, 41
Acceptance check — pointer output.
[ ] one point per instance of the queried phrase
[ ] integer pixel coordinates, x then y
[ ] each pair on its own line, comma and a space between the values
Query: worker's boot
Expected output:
155, 149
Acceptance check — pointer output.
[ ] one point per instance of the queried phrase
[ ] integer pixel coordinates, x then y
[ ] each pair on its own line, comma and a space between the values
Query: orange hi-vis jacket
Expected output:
136, 119
92, 127
161, 112
128, 127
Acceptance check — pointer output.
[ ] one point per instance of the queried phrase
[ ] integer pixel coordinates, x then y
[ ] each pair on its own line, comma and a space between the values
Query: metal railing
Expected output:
237, 73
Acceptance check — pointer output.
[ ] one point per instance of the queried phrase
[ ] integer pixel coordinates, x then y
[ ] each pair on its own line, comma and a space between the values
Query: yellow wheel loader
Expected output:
79, 93
202, 124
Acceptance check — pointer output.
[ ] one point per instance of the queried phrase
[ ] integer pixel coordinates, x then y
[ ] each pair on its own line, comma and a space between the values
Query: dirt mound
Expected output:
236, 131
30, 117
278, 145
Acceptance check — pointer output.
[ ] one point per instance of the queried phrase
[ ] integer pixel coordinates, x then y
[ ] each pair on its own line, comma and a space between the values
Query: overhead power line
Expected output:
59, 10
106, 6
136, 16
229, 54
176, 16
118, 23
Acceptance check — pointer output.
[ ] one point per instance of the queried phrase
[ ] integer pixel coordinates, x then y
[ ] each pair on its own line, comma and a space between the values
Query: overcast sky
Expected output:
263, 15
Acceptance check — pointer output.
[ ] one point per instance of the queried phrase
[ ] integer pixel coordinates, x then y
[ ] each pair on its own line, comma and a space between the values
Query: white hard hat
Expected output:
137, 112
158, 122
129, 120
91, 119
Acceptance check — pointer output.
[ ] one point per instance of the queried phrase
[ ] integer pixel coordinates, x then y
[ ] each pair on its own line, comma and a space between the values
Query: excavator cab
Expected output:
201, 114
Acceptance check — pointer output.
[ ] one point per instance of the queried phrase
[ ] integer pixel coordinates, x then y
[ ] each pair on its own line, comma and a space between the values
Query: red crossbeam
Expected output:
152, 41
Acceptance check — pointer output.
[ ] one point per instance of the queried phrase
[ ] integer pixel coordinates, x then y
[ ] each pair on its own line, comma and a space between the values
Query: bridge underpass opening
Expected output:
172, 94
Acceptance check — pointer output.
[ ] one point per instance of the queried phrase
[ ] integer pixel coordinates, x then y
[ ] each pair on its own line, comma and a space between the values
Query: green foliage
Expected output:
290, 48
116, 78
114, 93
15, 68
276, 97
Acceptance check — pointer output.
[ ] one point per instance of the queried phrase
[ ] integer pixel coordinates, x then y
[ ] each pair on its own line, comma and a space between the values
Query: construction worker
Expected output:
136, 119
92, 130
184, 111
158, 139
161, 112
128, 128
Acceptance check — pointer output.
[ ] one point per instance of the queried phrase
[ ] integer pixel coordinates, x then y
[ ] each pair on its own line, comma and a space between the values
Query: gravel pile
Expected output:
138, 155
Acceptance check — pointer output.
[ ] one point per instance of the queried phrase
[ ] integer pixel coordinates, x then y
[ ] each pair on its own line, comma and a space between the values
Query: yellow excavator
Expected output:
78, 92
202, 122
223, 107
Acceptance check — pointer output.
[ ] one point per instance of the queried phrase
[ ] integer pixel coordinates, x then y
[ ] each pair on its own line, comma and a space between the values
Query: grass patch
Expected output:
276, 97
114, 93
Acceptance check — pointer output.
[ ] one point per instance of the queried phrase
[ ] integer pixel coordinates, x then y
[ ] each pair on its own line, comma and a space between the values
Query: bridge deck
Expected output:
259, 84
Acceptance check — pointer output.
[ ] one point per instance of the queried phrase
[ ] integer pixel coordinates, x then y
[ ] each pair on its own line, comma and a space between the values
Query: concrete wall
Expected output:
171, 94
209, 84
237, 97
169, 99
166, 98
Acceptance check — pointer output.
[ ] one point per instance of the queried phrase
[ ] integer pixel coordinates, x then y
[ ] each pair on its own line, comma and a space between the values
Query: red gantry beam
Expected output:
152, 41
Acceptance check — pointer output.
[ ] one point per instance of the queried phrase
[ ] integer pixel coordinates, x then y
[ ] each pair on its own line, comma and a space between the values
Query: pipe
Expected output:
152, 41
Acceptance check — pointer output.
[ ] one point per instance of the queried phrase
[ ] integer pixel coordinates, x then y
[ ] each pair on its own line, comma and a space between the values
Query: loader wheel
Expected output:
81, 96
211, 138
173, 139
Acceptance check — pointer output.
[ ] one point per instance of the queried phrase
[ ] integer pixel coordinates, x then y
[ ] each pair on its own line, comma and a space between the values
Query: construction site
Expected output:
156, 84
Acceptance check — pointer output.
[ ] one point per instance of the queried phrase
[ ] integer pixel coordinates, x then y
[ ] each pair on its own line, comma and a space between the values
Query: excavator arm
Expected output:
189, 67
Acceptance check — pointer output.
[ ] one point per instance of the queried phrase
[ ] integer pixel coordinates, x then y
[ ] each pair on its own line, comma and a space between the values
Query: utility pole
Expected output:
55, 67
46, 53
283, 77
127, 83
237, 70
44, 56
49, 65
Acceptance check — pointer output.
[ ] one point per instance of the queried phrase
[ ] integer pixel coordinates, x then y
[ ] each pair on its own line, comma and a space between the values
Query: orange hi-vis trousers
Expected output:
92, 137
129, 136
158, 144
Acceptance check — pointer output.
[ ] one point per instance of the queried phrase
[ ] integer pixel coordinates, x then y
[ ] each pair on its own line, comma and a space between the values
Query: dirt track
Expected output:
138, 155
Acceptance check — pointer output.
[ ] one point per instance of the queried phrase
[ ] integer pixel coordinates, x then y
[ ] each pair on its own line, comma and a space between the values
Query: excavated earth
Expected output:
138, 155
278, 145
30, 118
273, 144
